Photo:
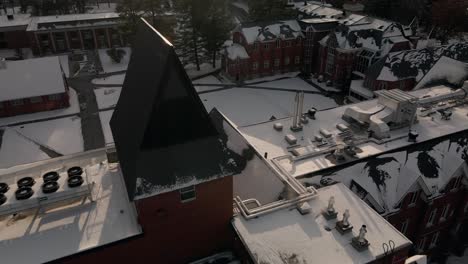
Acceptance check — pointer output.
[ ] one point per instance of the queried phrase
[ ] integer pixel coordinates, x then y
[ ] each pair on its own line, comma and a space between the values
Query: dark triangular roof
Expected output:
163, 134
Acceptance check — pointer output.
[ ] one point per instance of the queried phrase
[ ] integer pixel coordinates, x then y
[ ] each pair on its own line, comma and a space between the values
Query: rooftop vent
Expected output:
278, 126
51, 176
3, 64
75, 181
10, 17
4, 187
412, 136
312, 113
26, 182
24, 193
3, 198
51, 186
75, 171
292, 140
360, 242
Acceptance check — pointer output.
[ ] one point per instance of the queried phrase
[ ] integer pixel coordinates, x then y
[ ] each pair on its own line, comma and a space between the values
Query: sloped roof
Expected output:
164, 137
417, 63
267, 31
236, 51
320, 11
446, 71
31, 78
389, 176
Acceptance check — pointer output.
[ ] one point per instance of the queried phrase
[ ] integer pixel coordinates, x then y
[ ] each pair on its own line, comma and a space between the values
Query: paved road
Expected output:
91, 128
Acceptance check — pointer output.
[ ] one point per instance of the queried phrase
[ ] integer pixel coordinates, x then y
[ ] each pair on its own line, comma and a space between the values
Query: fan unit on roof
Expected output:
51, 176
4, 187
74, 171
3, 198
75, 181
24, 193
50, 187
25, 182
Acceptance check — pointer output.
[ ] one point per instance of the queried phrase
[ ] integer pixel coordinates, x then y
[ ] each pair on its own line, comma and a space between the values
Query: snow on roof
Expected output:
417, 63
75, 227
288, 29
288, 235
72, 20
320, 11
266, 139
236, 51
445, 71
19, 19
370, 33
30, 78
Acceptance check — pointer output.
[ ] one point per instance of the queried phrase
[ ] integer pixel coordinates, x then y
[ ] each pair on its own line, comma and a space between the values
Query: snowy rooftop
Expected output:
74, 226
237, 51
309, 155
30, 78
320, 11
416, 63
286, 235
72, 20
288, 29
18, 20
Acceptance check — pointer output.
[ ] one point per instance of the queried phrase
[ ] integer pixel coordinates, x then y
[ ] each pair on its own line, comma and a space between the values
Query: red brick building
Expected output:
355, 45
264, 49
45, 87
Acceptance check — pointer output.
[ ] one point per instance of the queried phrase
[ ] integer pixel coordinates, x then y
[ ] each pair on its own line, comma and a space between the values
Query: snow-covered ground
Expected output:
205, 68
245, 106
458, 260
15, 150
108, 65
324, 86
65, 65
291, 83
73, 109
273, 78
199, 84
105, 117
107, 97
117, 79
61, 135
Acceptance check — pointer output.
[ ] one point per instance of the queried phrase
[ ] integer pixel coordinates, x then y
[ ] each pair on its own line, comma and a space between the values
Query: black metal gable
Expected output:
163, 134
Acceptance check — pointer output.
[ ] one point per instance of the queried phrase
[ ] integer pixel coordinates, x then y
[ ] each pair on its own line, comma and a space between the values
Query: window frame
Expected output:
431, 218
54, 97
404, 226
278, 43
297, 60
266, 64
434, 239
421, 244
276, 63
36, 100
187, 190
255, 66
266, 46
444, 214
286, 60
255, 46
288, 43
17, 102
414, 198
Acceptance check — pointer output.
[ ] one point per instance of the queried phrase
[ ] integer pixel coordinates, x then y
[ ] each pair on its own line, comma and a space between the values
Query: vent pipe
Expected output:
3, 64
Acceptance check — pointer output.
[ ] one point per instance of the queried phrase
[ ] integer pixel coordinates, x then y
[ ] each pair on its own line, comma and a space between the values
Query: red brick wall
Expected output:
7, 109
174, 232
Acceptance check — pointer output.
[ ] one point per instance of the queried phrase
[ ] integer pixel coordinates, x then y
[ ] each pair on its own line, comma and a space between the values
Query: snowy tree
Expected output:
129, 12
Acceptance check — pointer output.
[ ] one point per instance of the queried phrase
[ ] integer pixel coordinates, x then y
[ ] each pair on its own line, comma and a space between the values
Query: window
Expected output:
17, 102
187, 194
36, 99
434, 240
278, 43
297, 60
421, 244
277, 62
54, 97
330, 65
266, 46
414, 197
299, 40
363, 60
404, 226
288, 43
444, 214
266, 64
430, 221
255, 66
286, 60
255, 46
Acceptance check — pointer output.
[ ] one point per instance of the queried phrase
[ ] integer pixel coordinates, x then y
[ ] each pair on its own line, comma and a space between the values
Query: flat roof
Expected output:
19, 19
286, 234
72, 227
31, 78
71, 21
265, 139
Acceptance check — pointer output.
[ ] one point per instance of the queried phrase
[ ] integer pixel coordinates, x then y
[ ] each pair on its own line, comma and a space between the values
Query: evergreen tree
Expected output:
269, 10
216, 28
129, 11
152, 7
